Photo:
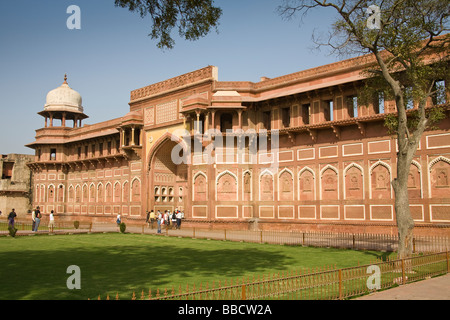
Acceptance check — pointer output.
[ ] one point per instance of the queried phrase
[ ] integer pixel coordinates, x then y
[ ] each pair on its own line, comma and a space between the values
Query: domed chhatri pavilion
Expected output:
327, 163
63, 103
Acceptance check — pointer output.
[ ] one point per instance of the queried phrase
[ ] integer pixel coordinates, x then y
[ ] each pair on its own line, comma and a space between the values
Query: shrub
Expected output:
76, 224
12, 231
122, 227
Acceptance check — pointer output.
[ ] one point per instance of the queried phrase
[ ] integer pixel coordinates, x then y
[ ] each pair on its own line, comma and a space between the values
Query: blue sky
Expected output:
112, 55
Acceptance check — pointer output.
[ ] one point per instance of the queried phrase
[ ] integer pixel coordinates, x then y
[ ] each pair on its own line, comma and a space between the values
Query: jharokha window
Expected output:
378, 103
328, 110
226, 122
440, 97
286, 117
305, 113
52, 154
352, 106
266, 120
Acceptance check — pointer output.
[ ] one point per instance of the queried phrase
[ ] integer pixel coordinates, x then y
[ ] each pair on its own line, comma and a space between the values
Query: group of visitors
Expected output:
36, 217
168, 219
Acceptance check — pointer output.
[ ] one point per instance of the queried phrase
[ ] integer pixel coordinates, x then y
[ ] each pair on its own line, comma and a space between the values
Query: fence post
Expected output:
403, 272
244, 294
414, 244
340, 283
261, 236
353, 242
90, 227
448, 263
225, 234
193, 233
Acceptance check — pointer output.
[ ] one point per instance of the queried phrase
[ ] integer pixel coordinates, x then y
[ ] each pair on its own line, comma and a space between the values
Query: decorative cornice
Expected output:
199, 76
353, 64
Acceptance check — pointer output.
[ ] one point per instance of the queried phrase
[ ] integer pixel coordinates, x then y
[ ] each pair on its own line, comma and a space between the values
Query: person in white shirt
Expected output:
118, 220
166, 219
159, 221
33, 217
178, 219
51, 222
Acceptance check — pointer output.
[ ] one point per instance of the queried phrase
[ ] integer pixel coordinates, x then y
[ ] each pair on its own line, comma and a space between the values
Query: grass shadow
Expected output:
42, 274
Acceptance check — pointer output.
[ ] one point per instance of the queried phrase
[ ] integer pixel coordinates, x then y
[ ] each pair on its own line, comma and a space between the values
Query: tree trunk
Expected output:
405, 223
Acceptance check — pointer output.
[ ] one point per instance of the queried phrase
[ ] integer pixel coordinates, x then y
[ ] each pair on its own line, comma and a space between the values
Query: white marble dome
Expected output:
64, 98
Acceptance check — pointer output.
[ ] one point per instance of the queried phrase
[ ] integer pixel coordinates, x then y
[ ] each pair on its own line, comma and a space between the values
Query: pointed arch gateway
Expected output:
167, 181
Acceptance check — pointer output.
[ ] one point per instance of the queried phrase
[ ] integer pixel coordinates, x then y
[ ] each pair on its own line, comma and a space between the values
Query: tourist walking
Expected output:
11, 218
51, 222
178, 219
152, 218
37, 219
147, 219
159, 221
33, 219
118, 221
174, 220
166, 219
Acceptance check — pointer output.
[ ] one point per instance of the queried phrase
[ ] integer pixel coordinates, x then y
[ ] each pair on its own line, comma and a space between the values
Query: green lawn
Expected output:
34, 267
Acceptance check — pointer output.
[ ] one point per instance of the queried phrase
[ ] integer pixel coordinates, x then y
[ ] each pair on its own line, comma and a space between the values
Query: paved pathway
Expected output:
432, 289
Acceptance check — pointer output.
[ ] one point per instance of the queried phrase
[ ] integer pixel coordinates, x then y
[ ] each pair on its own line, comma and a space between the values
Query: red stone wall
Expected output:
331, 170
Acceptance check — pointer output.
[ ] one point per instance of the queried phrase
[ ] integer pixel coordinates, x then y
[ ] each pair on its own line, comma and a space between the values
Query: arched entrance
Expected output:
167, 181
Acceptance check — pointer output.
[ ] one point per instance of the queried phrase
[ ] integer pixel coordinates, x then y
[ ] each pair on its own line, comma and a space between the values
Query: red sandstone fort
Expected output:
330, 168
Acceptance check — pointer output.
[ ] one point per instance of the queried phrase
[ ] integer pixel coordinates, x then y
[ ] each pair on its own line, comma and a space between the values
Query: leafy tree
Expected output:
194, 18
409, 42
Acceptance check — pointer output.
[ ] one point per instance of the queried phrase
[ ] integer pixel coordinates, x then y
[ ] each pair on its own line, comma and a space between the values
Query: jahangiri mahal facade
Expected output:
330, 168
